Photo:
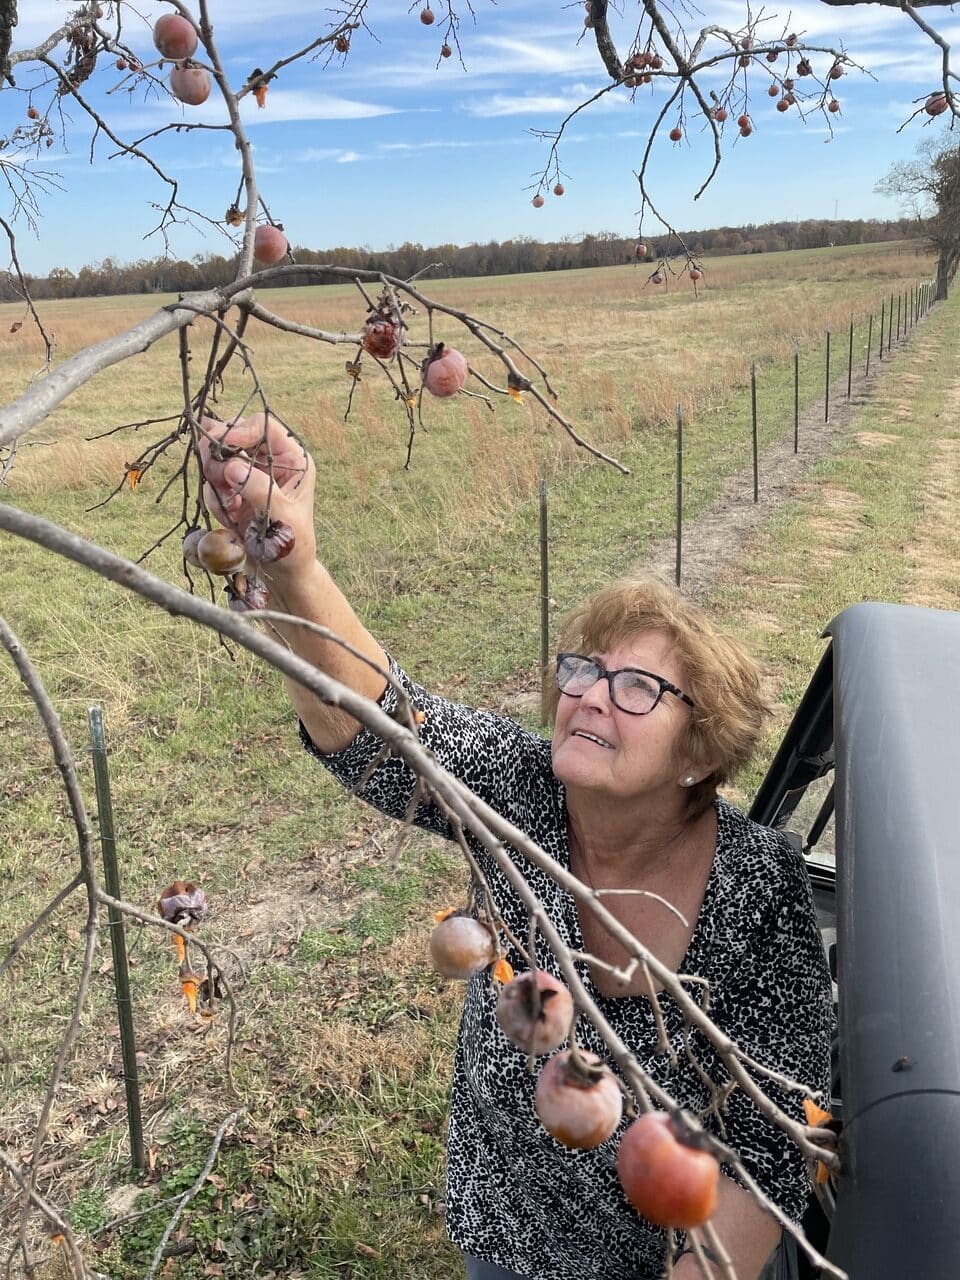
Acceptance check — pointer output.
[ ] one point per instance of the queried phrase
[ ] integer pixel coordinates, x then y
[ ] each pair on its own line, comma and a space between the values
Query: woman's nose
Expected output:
598, 695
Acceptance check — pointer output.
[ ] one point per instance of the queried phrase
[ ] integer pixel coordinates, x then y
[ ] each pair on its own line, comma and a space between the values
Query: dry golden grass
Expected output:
620, 353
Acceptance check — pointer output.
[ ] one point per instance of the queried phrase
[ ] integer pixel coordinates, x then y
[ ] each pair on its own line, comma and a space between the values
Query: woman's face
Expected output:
597, 747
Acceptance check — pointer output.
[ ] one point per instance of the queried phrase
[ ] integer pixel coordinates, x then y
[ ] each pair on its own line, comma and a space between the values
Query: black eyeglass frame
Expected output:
604, 674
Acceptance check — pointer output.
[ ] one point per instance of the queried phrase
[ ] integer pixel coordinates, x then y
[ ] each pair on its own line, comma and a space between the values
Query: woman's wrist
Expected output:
298, 588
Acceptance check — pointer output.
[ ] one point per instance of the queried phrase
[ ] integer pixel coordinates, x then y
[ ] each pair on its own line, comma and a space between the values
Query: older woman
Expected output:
655, 709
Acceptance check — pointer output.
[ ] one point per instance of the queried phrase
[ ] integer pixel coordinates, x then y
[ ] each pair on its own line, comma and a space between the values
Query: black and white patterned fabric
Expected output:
517, 1198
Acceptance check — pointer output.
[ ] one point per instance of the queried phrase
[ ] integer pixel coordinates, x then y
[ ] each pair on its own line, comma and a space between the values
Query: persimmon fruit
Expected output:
580, 1106
189, 548
537, 201
676, 133
427, 16
175, 37
558, 189
669, 1182
461, 946
936, 104
268, 540
535, 1011
219, 551
381, 337
269, 244
191, 85
445, 372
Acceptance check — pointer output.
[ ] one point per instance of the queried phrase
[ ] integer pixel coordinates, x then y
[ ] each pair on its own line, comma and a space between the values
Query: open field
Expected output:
346, 1035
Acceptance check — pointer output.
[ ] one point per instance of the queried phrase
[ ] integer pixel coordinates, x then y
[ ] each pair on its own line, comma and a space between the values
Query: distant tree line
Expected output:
507, 257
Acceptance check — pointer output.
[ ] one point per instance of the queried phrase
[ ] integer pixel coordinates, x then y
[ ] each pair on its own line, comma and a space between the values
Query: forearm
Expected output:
745, 1230
313, 596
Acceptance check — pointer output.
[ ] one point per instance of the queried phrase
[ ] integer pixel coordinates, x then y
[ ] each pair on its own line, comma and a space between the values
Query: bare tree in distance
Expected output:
931, 185
402, 335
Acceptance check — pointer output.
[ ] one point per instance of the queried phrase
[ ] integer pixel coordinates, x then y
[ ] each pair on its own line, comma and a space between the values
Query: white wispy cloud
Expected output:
542, 104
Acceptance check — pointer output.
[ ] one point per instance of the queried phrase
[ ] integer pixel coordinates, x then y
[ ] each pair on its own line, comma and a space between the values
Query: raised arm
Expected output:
252, 466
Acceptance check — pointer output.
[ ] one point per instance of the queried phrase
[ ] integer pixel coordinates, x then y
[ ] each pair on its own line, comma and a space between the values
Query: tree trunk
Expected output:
946, 266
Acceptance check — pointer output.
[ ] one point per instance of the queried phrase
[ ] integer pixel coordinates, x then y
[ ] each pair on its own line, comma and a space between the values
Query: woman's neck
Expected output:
612, 847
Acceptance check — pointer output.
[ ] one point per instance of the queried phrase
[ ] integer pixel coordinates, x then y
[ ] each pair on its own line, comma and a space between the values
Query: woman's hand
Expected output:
254, 465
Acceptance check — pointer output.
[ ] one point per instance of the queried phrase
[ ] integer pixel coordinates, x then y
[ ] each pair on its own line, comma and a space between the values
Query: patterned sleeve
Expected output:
497, 759
778, 1007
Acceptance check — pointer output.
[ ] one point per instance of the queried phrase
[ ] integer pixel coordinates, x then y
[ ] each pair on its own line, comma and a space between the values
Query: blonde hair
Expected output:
716, 671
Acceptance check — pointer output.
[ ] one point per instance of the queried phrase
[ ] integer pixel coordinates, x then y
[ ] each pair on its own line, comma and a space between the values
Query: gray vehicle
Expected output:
877, 734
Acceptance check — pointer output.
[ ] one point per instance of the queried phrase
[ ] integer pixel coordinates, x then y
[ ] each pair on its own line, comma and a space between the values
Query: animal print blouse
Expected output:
514, 1196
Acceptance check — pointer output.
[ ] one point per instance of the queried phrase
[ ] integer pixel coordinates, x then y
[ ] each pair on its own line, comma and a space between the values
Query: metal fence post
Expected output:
121, 971
679, 565
756, 442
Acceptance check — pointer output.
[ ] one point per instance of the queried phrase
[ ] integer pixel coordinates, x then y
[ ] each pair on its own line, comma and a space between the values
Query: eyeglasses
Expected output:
632, 690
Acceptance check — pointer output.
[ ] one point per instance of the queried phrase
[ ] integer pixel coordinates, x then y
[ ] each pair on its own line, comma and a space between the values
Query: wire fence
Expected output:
870, 341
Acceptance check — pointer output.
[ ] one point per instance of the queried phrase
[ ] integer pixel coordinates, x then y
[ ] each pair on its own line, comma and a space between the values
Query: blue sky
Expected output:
386, 146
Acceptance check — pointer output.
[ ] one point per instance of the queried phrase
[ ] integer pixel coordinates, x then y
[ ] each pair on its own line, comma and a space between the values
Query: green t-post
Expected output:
121, 971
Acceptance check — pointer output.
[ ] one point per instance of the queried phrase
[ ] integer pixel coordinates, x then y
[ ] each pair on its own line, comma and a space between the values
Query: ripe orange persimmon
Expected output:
579, 1106
175, 37
669, 1182
269, 244
676, 133
461, 946
936, 104
537, 201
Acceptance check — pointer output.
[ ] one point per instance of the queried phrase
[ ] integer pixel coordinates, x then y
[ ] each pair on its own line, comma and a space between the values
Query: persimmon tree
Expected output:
404, 335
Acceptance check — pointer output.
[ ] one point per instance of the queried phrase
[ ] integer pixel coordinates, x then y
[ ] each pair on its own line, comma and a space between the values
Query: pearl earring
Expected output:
687, 780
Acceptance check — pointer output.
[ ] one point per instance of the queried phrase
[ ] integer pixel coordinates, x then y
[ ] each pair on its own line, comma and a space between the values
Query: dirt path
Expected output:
717, 536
